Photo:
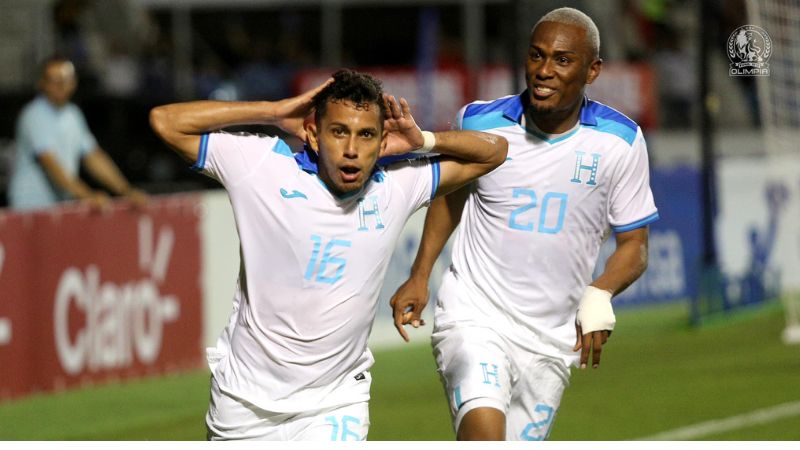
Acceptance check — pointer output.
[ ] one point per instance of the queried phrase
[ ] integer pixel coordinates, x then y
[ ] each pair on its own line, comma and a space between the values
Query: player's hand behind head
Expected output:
290, 114
403, 134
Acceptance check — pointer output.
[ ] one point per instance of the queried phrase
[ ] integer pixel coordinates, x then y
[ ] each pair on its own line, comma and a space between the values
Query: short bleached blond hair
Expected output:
572, 16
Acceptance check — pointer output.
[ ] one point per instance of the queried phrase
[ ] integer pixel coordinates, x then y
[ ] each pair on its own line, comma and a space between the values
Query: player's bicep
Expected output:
637, 236
635, 244
454, 173
186, 145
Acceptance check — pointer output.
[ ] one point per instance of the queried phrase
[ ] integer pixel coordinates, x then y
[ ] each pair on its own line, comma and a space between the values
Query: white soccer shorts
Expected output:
480, 368
230, 418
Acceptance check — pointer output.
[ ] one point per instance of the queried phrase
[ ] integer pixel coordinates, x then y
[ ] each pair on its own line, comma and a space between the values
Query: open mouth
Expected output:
350, 174
543, 92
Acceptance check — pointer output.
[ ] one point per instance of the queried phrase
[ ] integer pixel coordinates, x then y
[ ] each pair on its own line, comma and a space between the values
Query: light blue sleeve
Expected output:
33, 129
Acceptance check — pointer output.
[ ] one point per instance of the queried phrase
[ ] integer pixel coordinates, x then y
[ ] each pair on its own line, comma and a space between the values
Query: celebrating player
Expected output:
519, 301
317, 230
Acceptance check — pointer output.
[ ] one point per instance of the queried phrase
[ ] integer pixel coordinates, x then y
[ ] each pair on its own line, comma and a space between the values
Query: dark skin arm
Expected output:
623, 267
410, 299
465, 155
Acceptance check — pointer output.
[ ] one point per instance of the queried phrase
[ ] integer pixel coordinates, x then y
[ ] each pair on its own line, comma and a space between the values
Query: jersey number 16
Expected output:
321, 268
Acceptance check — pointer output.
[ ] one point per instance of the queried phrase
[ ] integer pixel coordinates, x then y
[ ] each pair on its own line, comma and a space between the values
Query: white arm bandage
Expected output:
429, 141
594, 311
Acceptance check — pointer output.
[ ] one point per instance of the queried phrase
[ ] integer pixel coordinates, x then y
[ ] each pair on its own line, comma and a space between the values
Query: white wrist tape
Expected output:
429, 141
594, 311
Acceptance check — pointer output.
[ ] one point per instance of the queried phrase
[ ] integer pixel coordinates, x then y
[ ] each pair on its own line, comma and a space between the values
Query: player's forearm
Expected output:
623, 267
444, 215
472, 146
199, 117
180, 125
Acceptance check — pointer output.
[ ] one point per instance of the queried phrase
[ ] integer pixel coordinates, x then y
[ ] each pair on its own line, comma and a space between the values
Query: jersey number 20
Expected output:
519, 220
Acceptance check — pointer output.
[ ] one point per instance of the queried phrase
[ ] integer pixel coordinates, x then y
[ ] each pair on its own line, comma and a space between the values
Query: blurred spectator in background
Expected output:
75, 41
157, 54
260, 77
52, 140
106, 42
677, 78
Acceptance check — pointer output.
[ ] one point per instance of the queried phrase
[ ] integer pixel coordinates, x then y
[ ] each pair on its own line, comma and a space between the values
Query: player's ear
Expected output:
311, 135
384, 140
594, 70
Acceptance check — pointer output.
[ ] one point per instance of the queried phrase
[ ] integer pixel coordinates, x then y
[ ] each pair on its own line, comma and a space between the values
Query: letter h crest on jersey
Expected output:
581, 168
369, 207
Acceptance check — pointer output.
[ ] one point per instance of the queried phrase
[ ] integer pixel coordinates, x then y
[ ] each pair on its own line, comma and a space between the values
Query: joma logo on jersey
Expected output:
294, 194
581, 168
369, 207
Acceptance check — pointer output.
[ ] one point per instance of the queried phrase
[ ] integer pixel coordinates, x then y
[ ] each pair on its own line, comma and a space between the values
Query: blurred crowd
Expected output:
131, 54
126, 58
254, 53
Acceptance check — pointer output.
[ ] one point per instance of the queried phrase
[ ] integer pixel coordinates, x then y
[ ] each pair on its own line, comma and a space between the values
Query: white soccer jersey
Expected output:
312, 265
531, 229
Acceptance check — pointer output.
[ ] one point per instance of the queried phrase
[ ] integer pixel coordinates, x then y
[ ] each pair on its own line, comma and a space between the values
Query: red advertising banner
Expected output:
87, 296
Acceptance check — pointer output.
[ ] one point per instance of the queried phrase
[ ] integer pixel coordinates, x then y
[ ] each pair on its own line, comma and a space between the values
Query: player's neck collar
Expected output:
308, 161
587, 116
516, 111
531, 127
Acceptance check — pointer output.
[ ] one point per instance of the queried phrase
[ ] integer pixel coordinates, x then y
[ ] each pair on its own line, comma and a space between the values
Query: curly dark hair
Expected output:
360, 88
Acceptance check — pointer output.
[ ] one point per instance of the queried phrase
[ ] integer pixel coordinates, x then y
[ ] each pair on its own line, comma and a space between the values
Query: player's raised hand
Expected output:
289, 114
408, 303
403, 133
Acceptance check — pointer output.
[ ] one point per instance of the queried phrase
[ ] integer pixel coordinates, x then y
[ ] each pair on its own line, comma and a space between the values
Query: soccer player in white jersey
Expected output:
317, 230
519, 301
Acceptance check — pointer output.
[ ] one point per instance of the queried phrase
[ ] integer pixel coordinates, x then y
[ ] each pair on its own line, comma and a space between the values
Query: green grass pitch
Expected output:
657, 374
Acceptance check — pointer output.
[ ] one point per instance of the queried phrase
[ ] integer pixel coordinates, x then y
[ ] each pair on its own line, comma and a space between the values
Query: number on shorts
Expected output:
541, 427
345, 431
